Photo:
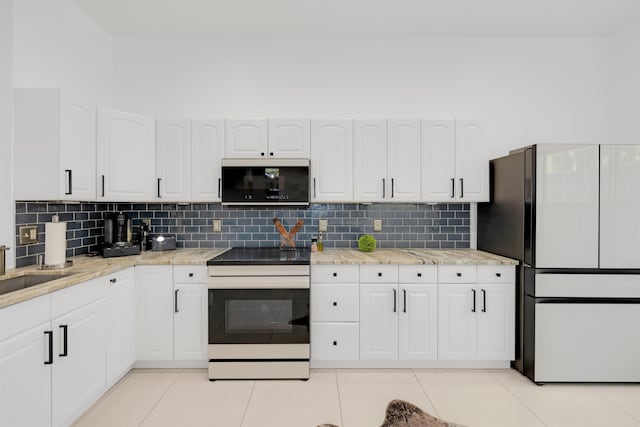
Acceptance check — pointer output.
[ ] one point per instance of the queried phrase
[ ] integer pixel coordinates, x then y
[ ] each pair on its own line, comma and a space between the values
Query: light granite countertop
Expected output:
409, 256
85, 268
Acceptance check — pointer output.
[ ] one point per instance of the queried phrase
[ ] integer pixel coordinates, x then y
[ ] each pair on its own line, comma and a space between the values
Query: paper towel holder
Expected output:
40, 265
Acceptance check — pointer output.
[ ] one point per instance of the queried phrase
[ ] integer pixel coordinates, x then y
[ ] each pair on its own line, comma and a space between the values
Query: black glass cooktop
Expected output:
262, 256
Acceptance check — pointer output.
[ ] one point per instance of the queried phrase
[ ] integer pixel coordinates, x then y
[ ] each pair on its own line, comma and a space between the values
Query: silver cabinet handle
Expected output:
473, 308
453, 188
461, 188
384, 188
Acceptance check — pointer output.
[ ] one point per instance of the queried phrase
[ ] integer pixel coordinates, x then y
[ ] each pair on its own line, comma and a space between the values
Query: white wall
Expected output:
7, 207
625, 85
58, 45
530, 90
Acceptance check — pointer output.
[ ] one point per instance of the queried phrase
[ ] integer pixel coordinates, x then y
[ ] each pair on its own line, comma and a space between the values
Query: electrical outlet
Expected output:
377, 225
217, 226
28, 234
322, 225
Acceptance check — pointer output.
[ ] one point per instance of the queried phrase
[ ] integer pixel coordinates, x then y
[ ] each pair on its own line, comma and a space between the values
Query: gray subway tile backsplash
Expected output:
405, 225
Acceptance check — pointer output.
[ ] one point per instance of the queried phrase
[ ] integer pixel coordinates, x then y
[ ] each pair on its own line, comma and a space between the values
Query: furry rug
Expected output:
404, 414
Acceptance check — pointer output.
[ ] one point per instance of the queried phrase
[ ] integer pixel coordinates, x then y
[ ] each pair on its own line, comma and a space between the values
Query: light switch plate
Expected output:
28, 234
322, 225
217, 225
377, 225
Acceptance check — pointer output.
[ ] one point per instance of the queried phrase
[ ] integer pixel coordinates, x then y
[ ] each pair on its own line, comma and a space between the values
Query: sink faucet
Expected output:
3, 248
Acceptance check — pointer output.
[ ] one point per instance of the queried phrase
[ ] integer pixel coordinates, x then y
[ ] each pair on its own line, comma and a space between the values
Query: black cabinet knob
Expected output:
262, 154
498, 274
335, 274
419, 274
113, 280
459, 274
335, 343
190, 274
271, 154
379, 274
335, 303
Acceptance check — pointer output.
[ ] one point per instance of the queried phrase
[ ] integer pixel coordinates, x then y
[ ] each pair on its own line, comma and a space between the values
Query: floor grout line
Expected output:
335, 372
161, 397
524, 405
425, 393
246, 408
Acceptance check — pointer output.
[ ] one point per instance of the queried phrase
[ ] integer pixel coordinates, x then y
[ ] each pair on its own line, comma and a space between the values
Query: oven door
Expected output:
258, 316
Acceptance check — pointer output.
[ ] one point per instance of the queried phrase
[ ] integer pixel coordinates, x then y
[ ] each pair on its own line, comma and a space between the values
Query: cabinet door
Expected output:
154, 312
25, 381
567, 206
619, 206
190, 322
496, 321
378, 322
126, 156
418, 323
403, 156
207, 149
121, 339
290, 138
79, 368
332, 160
457, 321
472, 163
246, 138
77, 149
370, 160
173, 160
438, 160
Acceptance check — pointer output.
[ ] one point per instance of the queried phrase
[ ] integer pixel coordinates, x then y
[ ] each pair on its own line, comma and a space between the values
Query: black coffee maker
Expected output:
118, 239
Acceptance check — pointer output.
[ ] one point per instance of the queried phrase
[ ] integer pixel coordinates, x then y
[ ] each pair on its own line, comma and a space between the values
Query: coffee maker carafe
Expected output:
117, 236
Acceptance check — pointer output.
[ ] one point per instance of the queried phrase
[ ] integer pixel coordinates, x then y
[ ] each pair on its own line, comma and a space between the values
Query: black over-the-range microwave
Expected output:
265, 182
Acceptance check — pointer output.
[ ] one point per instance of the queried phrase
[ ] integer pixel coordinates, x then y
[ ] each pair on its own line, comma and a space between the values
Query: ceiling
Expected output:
538, 18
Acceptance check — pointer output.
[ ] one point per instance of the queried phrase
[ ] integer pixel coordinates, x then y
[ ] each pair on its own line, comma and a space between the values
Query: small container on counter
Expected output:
320, 244
314, 245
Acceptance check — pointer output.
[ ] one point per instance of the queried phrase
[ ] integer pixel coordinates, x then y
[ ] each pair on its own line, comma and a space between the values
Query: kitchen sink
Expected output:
26, 281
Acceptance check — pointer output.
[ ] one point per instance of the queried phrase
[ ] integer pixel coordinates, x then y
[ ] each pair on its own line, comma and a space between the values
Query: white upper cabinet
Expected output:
289, 138
55, 146
332, 160
173, 160
619, 206
455, 166
472, 161
567, 206
403, 160
207, 149
246, 138
370, 160
126, 156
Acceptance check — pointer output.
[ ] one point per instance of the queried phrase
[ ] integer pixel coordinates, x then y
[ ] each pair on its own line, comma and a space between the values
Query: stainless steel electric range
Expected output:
259, 314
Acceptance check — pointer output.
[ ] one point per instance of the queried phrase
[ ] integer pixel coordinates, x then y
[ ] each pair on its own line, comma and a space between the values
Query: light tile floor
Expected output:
357, 398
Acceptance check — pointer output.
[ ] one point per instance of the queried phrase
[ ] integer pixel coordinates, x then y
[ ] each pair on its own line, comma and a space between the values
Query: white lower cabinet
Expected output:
171, 319
334, 312
476, 321
378, 322
25, 380
121, 337
418, 322
78, 376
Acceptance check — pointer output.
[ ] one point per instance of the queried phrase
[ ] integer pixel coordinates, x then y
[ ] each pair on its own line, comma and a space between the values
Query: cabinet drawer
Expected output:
190, 274
456, 274
418, 274
334, 303
496, 274
334, 341
74, 297
334, 274
378, 274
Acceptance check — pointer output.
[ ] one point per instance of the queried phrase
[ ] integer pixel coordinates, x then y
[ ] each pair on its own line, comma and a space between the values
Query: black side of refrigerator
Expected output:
506, 224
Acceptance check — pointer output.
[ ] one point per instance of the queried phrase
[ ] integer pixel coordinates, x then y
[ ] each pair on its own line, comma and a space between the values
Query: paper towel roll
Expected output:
55, 243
